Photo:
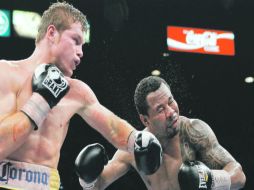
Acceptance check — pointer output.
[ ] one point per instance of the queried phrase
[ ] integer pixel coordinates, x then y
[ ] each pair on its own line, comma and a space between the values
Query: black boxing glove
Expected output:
194, 175
49, 86
90, 163
147, 152
50, 83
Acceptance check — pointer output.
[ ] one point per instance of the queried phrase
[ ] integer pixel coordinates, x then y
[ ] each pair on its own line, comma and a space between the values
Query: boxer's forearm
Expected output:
122, 134
14, 130
98, 184
112, 127
237, 175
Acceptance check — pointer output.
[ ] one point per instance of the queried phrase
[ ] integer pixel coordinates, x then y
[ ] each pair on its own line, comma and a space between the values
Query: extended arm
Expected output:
116, 168
116, 130
120, 133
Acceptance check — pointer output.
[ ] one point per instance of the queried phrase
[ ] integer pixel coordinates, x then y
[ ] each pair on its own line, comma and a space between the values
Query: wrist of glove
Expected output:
147, 151
36, 109
220, 180
194, 175
85, 185
131, 141
49, 86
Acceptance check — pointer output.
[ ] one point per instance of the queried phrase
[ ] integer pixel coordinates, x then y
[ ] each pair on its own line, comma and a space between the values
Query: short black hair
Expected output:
144, 87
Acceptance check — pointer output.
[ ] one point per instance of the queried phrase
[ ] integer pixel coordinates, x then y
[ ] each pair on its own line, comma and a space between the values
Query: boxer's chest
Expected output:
60, 115
166, 177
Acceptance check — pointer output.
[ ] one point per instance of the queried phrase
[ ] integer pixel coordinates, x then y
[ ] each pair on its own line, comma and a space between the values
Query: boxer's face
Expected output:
163, 113
68, 49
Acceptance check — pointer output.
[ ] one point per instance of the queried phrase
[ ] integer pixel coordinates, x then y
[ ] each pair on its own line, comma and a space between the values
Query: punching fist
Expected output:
194, 175
49, 86
90, 163
147, 152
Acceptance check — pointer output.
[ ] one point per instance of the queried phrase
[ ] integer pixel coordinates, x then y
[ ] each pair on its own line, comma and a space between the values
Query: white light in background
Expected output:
26, 23
249, 79
86, 35
155, 72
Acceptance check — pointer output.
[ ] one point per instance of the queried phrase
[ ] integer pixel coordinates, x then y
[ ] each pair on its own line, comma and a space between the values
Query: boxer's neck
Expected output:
40, 55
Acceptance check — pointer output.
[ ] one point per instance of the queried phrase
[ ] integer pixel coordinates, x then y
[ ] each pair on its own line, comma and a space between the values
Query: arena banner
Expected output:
197, 40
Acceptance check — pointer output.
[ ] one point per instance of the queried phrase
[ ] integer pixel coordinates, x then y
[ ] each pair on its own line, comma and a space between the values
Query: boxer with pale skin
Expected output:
38, 97
192, 157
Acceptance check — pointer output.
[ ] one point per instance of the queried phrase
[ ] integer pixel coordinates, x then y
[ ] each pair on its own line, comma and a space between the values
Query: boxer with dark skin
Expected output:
192, 157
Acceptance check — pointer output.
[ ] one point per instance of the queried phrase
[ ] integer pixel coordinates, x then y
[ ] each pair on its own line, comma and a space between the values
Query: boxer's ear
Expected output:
144, 119
52, 33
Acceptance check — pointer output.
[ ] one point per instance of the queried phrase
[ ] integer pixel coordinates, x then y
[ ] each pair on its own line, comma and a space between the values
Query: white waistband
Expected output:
26, 176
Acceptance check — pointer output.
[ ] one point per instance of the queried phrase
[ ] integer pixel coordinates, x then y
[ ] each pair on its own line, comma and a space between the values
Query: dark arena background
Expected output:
128, 41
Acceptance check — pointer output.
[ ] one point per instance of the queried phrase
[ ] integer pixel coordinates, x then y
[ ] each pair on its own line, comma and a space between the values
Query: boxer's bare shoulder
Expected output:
8, 72
80, 89
187, 149
203, 143
9, 65
195, 132
80, 94
12, 79
14, 73
195, 135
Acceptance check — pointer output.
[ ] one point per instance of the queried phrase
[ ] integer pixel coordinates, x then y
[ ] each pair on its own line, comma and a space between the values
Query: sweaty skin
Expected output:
182, 147
18, 140
182, 139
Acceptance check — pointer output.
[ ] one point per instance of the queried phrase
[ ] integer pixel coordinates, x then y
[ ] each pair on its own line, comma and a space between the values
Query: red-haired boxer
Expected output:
38, 97
193, 159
